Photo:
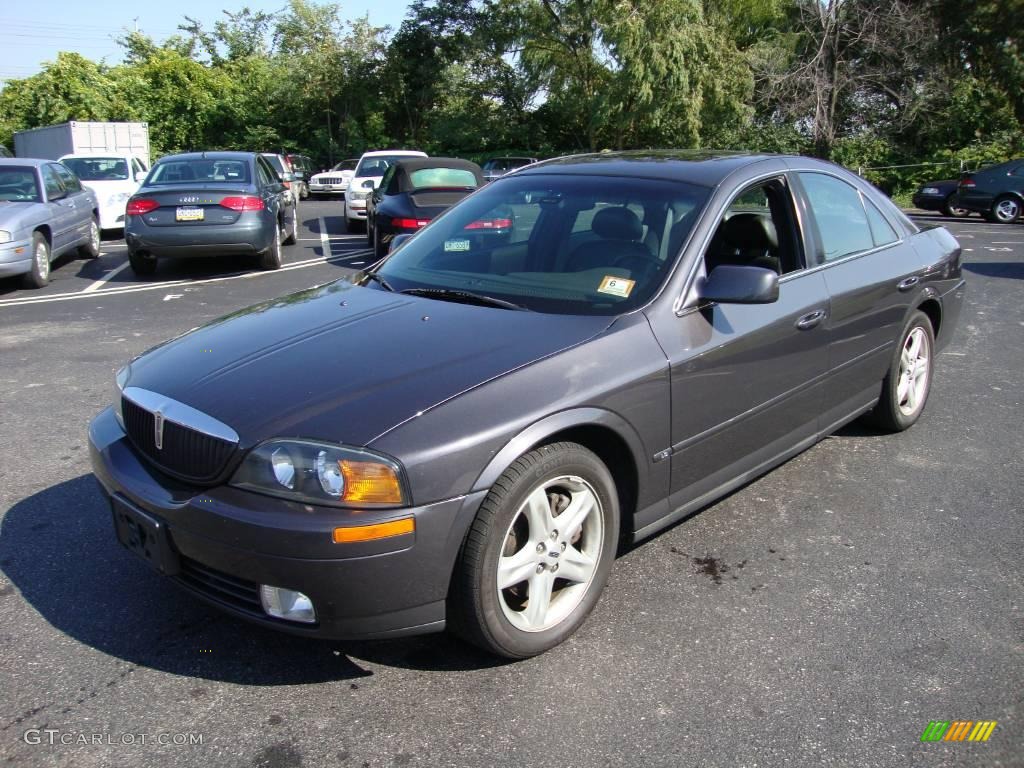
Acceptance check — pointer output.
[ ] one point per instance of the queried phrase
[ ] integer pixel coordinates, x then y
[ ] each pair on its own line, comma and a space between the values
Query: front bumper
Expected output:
15, 258
112, 216
245, 236
327, 189
224, 542
355, 209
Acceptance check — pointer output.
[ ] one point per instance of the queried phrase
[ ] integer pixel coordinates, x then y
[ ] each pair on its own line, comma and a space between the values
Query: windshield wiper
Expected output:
383, 283
467, 297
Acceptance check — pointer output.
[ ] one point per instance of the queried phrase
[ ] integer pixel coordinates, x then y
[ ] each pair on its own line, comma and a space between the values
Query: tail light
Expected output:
243, 203
490, 224
137, 206
967, 183
409, 223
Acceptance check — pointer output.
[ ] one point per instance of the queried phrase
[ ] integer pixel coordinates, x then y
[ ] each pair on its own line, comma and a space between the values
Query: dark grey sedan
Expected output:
463, 435
209, 204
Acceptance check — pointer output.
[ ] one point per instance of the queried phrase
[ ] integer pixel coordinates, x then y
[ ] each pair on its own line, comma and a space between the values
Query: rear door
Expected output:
61, 207
81, 199
872, 273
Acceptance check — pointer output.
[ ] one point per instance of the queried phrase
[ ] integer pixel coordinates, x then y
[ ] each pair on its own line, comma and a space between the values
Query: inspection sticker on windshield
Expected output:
616, 286
456, 245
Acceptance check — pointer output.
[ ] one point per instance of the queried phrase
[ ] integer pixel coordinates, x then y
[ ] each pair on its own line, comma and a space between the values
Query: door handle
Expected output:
908, 283
810, 320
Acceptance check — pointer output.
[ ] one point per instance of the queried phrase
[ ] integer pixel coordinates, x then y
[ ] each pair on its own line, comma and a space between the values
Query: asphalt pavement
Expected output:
823, 615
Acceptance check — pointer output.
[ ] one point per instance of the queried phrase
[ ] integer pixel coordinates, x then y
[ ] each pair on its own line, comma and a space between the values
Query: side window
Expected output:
51, 182
263, 172
758, 229
839, 213
881, 230
70, 181
136, 167
385, 182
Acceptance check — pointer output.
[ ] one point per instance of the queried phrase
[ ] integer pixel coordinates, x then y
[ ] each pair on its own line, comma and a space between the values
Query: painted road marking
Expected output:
325, 241
96, 285
173, 283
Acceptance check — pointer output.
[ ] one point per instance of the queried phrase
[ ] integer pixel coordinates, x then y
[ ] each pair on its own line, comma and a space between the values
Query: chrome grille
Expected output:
185, 453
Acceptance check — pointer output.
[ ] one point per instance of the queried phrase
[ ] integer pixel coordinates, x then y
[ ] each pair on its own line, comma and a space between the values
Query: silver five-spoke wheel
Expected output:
906, 385
550, 554
913, 381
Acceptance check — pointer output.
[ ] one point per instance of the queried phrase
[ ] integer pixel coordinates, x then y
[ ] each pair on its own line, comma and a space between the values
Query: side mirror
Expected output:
736, 284
140, 176
369, 184
397, 242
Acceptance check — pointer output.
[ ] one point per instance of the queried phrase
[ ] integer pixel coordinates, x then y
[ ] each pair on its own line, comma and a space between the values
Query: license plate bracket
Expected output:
145, 535
189, 213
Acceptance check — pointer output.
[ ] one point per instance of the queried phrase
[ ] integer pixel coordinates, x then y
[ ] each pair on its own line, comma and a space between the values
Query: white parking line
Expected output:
325, 241
96, 285
120, 290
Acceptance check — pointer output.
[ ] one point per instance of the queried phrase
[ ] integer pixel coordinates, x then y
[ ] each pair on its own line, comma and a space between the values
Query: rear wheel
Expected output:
91, 250
272, 258
905, 388
1005, 210
39, 274
379, 252
538, 553
142, 264
951, 207
292, 237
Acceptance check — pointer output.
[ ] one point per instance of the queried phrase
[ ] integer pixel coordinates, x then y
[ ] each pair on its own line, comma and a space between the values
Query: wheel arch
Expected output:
45, 231
933, 309
608, 435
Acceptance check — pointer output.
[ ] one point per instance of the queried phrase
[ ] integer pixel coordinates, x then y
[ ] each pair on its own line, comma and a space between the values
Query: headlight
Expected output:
121, 379
322, 473
118, 197
929, 190
360, 195
5, 236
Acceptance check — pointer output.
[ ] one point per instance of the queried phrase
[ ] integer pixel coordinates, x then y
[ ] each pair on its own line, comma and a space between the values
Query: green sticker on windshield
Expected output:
456, 245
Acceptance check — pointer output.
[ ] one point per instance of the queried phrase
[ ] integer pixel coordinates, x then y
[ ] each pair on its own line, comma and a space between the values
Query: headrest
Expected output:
617, 224
749, 231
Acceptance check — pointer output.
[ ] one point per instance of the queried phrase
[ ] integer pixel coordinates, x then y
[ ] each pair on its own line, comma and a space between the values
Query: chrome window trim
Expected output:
181, 414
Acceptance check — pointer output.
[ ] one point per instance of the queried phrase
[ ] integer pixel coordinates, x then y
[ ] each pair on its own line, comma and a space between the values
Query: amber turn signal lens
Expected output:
355, 533
370, 483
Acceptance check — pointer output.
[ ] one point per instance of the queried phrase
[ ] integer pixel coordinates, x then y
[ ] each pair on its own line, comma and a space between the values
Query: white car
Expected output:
114, 177
334, 181
368, 174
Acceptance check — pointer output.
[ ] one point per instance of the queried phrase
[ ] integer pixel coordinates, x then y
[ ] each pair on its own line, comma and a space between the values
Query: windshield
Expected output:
202, 171
560, 244
345, 165
18, 184
375, 166
98, 168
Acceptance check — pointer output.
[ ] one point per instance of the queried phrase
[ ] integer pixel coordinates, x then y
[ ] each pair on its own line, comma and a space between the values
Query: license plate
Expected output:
190, 214
144, 535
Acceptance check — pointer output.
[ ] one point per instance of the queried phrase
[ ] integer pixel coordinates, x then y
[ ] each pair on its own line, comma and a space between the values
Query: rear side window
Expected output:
71, 183
52, 183
839, 214
881, 230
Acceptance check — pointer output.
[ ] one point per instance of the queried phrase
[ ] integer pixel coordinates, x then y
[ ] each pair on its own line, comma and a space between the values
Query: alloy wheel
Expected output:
912, 386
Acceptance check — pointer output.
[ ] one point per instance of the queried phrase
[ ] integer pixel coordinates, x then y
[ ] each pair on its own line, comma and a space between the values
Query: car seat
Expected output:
746, 239
619, 234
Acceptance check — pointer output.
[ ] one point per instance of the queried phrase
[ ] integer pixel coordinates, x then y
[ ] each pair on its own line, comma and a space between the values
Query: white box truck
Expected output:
52, 142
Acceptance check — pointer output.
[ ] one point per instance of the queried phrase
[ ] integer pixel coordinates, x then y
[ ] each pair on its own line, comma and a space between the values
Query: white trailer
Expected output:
82, 138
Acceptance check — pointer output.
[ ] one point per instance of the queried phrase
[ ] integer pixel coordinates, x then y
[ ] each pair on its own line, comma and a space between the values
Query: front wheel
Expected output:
907, 384
538, 553
39, 273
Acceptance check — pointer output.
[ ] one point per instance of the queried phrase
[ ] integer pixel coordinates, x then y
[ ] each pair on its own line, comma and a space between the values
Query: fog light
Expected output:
287, 604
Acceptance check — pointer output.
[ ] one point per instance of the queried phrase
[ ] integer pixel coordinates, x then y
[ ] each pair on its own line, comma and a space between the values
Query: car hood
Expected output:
345, 363
343, 174
20, 215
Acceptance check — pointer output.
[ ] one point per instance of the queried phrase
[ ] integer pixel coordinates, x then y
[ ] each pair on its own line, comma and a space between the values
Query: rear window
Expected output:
200, 170
18, 184
98, 168
443, 178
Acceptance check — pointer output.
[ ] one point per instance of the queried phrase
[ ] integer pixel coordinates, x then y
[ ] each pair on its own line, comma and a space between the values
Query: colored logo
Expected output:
958, 730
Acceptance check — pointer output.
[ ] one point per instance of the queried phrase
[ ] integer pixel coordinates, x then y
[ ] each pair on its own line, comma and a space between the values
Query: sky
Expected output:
34, 32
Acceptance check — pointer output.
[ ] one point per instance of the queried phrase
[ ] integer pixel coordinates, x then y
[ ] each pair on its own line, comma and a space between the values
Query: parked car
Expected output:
302, 170
497, 167
45, 212
335, 181
284, 171
940, 196
207, 204
458, 436
996, 192
368, 173
113, 177
412, 192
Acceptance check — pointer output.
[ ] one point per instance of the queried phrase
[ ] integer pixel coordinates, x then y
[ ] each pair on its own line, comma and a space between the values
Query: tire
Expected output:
273, 258
1005, 210
304, 192
91, 250
909, 380
501, 620
292, 237
370, 232
950, 208
39, 274
379, 252
142, 265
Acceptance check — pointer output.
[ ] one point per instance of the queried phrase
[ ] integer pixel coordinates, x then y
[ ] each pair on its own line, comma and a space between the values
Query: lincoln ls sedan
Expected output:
462, 435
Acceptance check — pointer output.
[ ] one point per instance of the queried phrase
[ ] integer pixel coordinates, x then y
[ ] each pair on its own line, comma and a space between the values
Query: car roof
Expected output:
702, 167
419, 163
26, 162
219, 155
379, 152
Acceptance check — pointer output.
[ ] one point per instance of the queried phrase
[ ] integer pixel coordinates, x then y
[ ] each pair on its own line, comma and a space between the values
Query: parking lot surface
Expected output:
822, 615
